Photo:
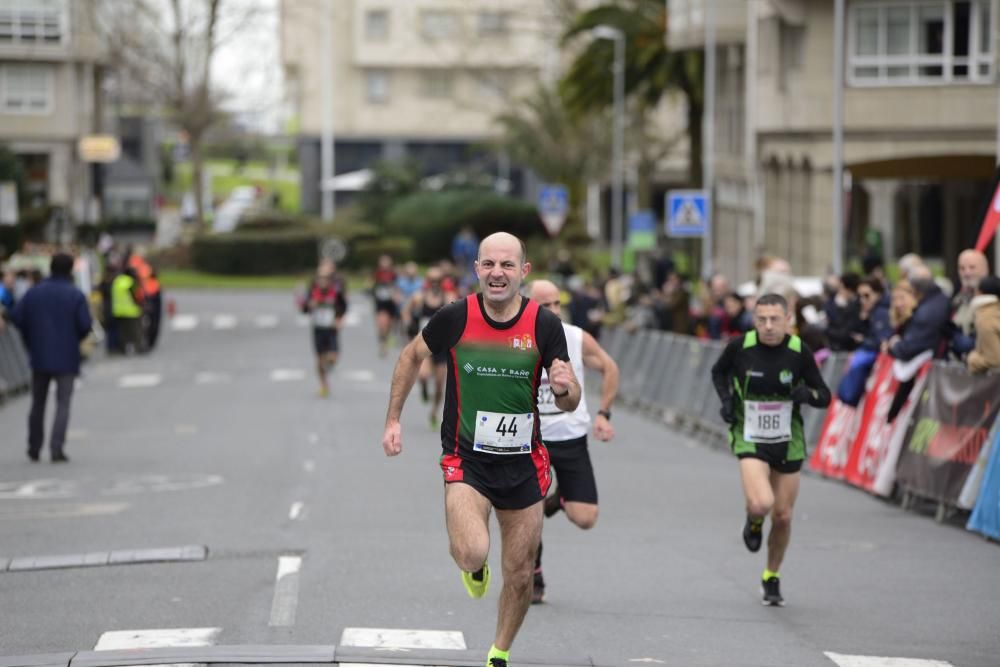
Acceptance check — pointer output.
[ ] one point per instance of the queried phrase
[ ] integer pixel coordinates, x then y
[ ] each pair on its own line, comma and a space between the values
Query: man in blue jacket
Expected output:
53, 318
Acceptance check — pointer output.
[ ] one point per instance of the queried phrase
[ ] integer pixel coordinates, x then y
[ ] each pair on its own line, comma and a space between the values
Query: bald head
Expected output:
972, 267
503, 241
546, 294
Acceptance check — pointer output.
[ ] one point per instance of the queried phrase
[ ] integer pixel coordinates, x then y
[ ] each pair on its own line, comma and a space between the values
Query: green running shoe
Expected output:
477, 583
497, 658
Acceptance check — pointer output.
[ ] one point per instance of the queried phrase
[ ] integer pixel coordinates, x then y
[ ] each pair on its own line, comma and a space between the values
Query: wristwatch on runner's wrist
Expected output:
605, 413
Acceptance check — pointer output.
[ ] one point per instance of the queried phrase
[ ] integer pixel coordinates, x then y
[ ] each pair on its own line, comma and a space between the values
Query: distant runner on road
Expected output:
422, 305
762, 378
326, 305
565, 433
493, 457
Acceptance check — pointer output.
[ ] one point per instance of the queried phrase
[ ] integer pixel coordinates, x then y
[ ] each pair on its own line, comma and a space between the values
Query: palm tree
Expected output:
652, 70
560, 147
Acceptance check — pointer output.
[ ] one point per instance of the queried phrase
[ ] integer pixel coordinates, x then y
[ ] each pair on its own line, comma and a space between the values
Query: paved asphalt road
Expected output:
219, 439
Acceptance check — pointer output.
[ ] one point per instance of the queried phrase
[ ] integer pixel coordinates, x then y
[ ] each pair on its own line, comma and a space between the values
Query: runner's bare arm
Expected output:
403, 377
595, 358
565, 387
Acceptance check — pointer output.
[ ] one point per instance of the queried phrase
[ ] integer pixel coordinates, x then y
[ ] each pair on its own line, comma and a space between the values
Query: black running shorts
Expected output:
775, 455
574, 473
508, 486
325, 340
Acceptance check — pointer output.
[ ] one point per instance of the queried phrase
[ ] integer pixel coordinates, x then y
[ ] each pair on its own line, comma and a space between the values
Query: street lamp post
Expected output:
327, 169
617, 139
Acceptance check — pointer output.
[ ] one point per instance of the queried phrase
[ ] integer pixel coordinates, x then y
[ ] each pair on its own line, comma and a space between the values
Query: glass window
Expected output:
897, 29
377, 25
26, 88
493, 85
437, 84
900, 42
491, 24
438, 24
930, 29
866, 20
377, 85
32, 20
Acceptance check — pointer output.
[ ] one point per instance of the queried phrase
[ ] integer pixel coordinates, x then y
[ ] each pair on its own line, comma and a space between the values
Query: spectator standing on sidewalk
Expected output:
53, 318
929, 324
972, 267
986, 306
126, 309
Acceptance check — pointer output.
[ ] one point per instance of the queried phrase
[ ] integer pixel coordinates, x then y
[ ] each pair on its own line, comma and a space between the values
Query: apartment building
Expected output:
421, 78
920, 124
50, 97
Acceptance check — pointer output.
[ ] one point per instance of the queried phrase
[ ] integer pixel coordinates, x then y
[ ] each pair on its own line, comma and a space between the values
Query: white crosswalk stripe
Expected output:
224, 321
139, 380
876, 661
183, 322
158, 638
390, 638
266, 321
287, 375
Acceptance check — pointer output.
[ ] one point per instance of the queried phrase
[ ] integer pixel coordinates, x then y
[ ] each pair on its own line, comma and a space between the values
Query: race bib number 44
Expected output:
323, 317
501, 433
767, 421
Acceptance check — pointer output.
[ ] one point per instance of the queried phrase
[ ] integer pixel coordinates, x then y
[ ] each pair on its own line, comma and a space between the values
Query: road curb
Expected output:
187, 553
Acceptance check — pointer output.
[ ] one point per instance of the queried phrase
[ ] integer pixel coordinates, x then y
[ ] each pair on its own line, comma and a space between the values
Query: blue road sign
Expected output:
687, 213
553, 206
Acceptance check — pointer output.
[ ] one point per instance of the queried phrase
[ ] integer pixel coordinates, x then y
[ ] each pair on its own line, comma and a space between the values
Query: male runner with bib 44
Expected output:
497, 344
762, 378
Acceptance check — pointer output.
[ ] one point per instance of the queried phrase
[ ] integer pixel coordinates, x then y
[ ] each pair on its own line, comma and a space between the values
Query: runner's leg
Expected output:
584, 515
786, 490
757, 487
467, 514
520, 533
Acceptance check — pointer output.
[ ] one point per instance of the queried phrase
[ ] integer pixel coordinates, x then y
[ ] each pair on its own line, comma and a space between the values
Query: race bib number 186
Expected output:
767, 421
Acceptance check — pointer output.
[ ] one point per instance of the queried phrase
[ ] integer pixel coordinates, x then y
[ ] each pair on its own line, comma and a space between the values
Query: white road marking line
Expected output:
60, 511
388, 638
303, 321
160, 638
139, 380
286, 591
352, 319
287, 375
183, 322
359, 375
208, 377
77, 434
265, 321
875, 661
296, 510
309, 465
313, 438
224, 321
185, 429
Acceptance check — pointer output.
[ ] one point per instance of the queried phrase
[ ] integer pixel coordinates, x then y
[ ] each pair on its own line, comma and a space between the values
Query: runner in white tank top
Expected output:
565, 433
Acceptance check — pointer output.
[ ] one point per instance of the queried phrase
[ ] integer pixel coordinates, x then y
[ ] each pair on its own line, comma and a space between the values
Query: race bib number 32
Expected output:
501, 433
767, 421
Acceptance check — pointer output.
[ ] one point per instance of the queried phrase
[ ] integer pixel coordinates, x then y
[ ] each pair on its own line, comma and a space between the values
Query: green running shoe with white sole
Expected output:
477, 583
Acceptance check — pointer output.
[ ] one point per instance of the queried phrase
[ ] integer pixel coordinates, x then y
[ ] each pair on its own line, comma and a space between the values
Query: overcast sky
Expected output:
248, 67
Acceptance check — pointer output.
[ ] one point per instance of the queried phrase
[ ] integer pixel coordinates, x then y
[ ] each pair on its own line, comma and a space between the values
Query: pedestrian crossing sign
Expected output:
687, 213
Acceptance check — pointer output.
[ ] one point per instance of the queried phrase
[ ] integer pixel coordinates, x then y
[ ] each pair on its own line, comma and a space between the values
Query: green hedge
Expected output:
11, 237
433, 219
365, 253
255, 253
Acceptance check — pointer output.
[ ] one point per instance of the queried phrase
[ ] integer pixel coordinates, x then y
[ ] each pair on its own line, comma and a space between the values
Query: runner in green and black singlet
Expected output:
497, 344
762, 378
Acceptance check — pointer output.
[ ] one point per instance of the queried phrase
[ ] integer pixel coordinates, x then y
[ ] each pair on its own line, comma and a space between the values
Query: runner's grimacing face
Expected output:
500, 272
771, 322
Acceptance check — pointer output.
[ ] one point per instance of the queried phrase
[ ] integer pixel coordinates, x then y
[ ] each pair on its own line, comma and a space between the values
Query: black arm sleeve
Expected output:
340, 306
445, 328
552, 339
722, 370
814, 380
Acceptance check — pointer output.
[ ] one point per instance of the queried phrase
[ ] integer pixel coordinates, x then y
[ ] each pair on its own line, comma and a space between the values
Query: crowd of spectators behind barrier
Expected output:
866, 314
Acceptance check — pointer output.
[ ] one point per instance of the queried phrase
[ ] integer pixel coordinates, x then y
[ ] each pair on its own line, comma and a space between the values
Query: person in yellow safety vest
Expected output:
126, 309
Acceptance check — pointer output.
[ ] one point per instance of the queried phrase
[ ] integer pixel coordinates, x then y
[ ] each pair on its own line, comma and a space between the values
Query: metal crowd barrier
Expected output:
670, 376
15, 370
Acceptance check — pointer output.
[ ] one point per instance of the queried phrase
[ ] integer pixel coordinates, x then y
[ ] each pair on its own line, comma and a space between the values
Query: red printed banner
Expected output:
875, 450
829, 458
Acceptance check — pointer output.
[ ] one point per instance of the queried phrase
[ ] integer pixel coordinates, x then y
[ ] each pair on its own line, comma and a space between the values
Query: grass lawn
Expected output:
225, 178
177, 278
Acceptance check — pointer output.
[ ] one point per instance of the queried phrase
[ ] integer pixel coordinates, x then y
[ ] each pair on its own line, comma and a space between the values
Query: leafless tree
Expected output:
161, 52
